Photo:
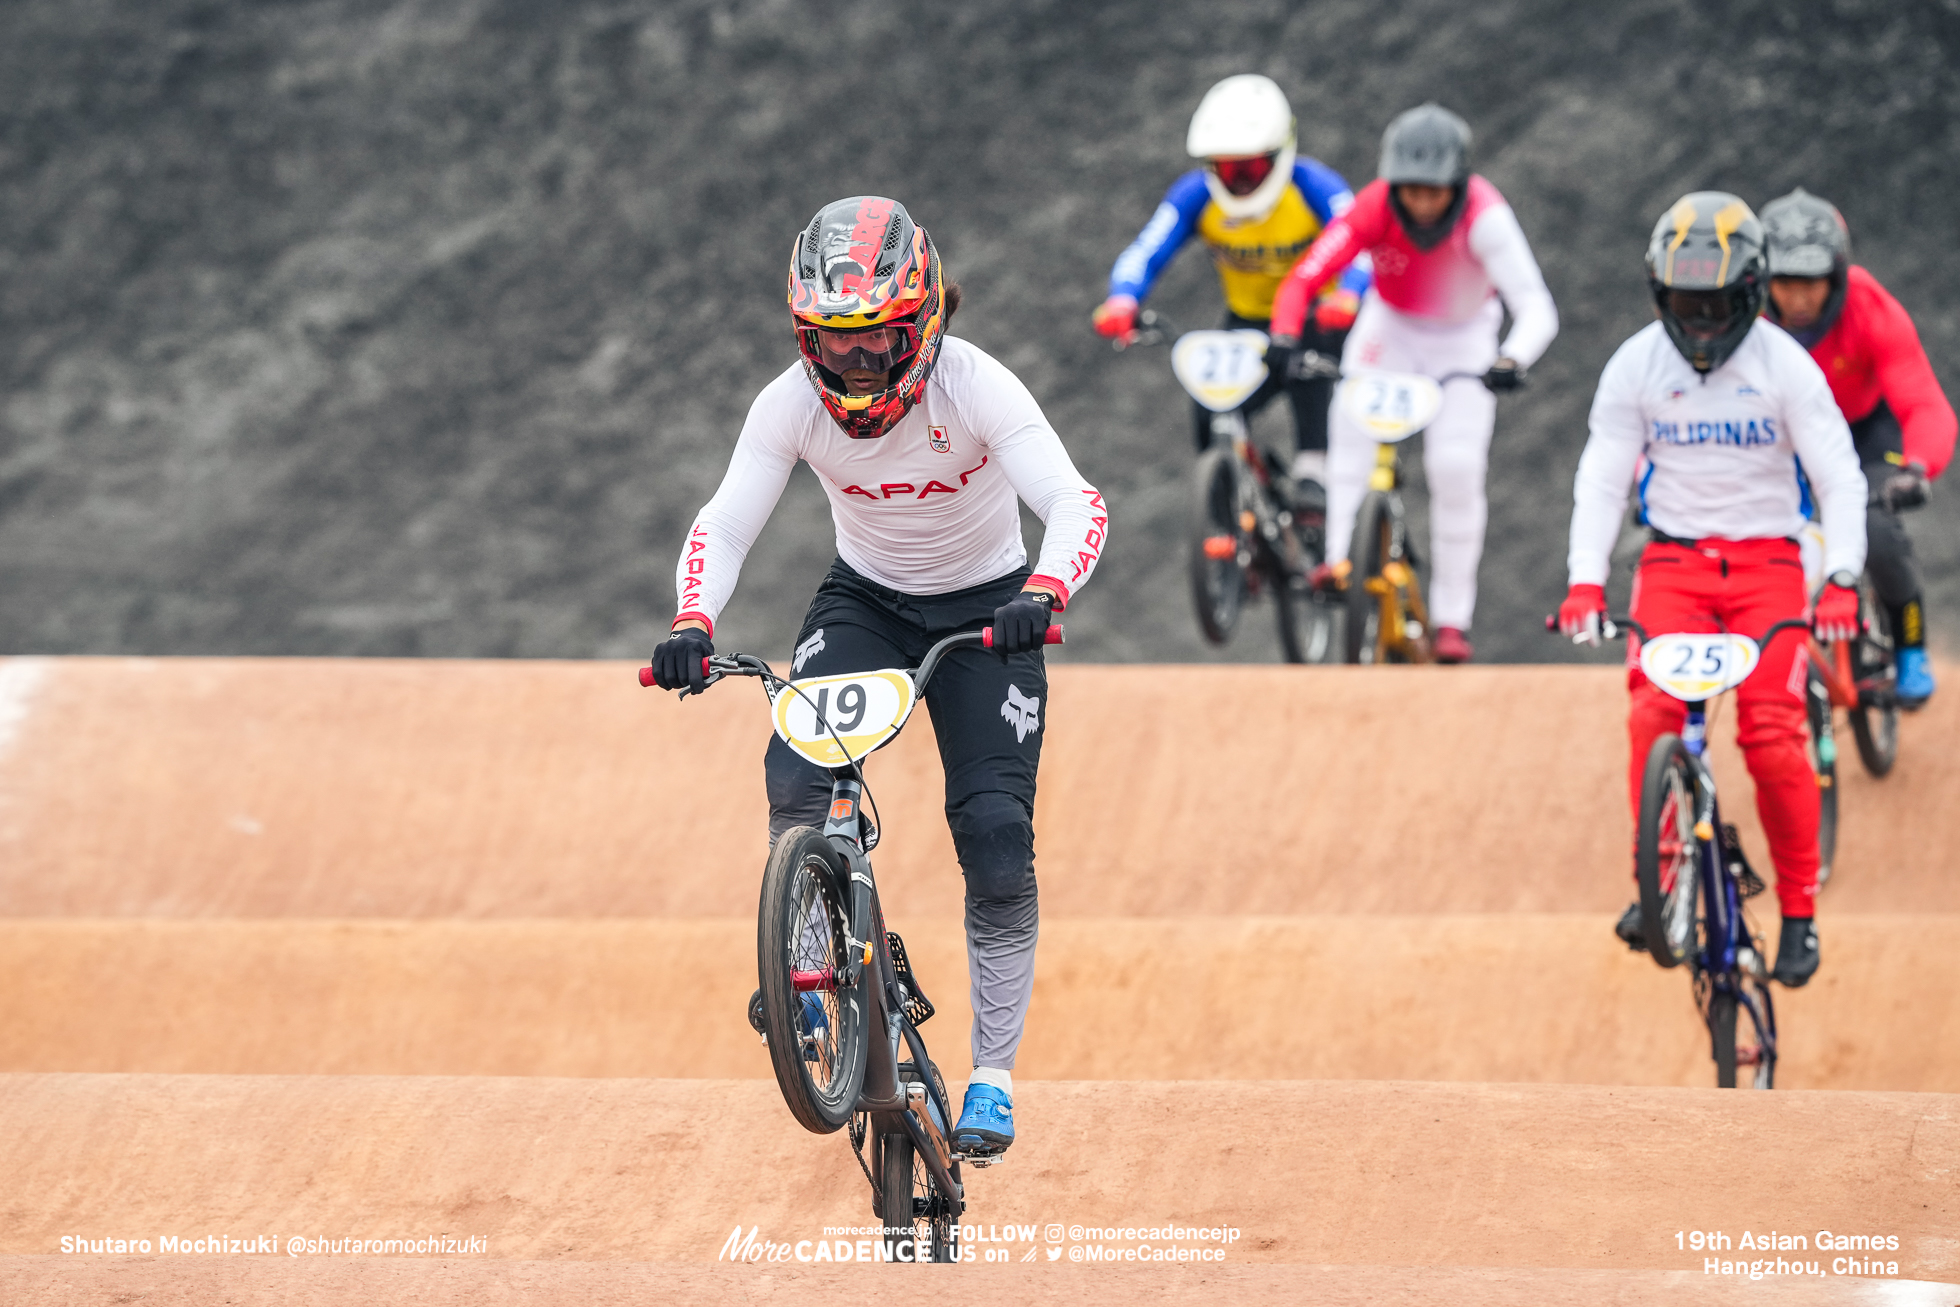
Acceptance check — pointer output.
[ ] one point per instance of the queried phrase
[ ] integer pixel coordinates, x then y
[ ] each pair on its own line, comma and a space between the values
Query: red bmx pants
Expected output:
1743, 586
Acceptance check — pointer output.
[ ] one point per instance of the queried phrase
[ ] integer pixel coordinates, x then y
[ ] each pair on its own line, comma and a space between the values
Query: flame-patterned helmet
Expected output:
866, 292
1706, 270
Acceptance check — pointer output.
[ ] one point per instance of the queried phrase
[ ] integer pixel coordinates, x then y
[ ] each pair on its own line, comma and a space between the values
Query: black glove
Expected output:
1905, 488
1021, 624
677, 663
1282, 356
1504, 375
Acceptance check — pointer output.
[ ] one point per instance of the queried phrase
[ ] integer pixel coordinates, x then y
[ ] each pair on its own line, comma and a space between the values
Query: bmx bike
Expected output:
1387, 621
838, 1003
1690, 866
1256, 531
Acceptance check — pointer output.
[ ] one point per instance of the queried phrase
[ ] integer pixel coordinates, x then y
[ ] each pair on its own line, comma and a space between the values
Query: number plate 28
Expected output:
1698, 666
1390, 406
825, 716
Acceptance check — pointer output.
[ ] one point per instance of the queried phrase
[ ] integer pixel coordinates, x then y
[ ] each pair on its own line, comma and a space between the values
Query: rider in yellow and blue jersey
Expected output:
1258, 205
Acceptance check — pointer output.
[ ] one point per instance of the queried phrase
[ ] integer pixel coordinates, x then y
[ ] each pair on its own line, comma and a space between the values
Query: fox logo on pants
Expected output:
809, 649
1022, 713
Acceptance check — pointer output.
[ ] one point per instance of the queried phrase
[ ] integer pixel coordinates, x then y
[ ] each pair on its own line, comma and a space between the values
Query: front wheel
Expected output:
1667, 854
1365, 636
1875, 717
814, 1023
1217, 545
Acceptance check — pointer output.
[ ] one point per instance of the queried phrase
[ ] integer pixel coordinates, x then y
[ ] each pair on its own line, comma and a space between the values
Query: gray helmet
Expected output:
1427, 146
1706, 269
1808, 238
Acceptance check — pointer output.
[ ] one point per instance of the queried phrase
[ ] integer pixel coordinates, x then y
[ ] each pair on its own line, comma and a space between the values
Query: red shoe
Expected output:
1452, 645
1330, 578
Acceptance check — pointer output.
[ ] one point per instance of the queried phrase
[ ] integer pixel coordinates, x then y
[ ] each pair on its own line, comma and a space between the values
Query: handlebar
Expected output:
716, 666
1612, 628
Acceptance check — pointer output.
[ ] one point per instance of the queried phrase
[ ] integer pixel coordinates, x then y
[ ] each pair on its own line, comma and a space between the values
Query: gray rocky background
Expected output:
422, 327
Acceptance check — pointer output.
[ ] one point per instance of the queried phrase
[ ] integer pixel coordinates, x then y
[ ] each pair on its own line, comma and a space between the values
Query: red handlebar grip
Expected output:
1551, 622
1053, 636
646, 677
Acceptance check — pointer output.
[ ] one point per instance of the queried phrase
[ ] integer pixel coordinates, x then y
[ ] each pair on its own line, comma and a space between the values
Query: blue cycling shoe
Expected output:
1915, 684
986, 1125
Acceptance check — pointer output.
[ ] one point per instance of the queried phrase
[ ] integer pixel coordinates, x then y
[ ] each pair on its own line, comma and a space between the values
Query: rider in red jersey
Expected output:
1900, 419
1449, 258
1735, 427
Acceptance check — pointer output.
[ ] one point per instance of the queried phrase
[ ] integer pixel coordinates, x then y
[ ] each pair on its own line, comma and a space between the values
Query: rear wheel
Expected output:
1875, 719
1721, 1032
1742, 1036
815, 1025
1666, 856
1823, 763
1364, 637
919, 1223
1217, 546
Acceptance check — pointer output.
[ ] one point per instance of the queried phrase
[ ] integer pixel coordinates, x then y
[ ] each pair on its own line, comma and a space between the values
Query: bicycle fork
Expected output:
911, 1104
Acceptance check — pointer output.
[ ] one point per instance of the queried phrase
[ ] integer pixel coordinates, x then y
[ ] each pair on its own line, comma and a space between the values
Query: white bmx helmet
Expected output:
1244, 131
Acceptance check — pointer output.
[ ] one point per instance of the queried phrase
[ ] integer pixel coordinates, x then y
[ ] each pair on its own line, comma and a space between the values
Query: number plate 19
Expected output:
1698, 666
825, 716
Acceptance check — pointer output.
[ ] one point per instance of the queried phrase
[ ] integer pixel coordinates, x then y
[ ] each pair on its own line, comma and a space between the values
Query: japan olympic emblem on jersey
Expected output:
941, 442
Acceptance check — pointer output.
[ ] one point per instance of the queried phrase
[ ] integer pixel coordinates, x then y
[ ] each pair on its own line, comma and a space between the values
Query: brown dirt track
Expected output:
355, 921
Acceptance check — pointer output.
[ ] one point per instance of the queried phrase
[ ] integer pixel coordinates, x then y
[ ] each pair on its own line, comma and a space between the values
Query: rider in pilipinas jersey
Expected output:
1723, 494
928, 508
1485, 254
1872, 355
1252, 256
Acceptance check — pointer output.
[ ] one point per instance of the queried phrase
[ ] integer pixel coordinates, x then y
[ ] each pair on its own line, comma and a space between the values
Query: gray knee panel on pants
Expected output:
994, 837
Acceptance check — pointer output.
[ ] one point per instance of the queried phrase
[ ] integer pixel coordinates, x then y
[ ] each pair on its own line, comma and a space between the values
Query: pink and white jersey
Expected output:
1485, 254
927, 508
1733, 455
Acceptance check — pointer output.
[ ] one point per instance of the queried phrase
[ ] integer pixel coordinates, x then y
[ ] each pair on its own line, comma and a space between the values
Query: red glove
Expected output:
1836, 617
1579, 615
1336, 311
1116, 317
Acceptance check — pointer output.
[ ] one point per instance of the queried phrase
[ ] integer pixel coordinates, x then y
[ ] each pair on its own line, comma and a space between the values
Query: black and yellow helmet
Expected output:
1707, 269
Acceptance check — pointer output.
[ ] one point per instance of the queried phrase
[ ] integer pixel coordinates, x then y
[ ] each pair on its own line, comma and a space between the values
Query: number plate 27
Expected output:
1698, 666
825, 716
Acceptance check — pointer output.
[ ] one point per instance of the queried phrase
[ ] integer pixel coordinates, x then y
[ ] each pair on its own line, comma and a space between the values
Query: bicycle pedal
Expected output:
982, 1159
918, 1008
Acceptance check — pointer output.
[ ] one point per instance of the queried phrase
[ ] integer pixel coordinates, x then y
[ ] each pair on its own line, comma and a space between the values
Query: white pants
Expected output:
1455, 448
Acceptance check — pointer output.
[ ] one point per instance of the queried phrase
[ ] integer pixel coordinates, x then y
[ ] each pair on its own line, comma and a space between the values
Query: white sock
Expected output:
993, 1075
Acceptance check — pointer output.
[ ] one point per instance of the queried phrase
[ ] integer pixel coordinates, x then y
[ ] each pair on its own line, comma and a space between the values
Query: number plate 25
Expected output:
862, 710
1697, 666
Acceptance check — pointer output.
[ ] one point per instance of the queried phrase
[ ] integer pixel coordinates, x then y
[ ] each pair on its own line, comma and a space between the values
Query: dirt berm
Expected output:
313, 788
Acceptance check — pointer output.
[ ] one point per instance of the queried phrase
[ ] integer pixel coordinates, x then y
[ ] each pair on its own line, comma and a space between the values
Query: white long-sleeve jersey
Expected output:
1733, 455
927, 508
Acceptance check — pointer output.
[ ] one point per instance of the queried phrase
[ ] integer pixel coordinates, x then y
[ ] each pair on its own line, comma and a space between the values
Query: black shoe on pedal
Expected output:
1796, 953
1632, 929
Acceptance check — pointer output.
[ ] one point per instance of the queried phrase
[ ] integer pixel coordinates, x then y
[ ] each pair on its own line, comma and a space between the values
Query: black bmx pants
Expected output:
1889, 556
988, 713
